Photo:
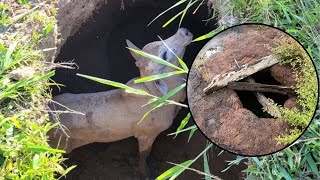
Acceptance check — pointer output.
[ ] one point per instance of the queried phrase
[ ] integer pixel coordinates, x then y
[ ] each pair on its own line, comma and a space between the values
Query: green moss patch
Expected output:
290, 52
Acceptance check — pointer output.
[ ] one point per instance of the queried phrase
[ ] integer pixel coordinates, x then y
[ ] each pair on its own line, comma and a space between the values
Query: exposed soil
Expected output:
244, 45
98, 48
229, 118
119, 160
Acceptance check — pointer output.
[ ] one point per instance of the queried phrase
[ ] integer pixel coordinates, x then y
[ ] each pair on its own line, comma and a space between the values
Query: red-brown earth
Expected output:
222, 116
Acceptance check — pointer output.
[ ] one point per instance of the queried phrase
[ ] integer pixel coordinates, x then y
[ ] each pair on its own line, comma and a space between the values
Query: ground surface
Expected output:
227, 117
98, 48
118, 160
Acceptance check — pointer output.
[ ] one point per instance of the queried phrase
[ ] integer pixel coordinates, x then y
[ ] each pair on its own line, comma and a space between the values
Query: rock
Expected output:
292, 103
283, 74
22, 73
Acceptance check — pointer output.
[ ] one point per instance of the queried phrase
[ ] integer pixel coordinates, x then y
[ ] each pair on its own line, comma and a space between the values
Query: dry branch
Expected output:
246, 70
264, 101
257, 87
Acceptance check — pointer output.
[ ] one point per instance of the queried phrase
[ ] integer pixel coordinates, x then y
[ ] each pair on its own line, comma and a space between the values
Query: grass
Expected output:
24, 122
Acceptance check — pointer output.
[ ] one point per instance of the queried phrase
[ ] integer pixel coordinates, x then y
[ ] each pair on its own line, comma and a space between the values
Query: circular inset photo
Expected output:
252, 90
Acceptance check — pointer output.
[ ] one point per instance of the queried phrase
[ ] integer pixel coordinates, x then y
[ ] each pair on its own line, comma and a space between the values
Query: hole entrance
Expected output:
98, 48
249, 100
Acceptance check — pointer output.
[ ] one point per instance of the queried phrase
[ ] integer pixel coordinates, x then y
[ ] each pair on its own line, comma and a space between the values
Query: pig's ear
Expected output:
161, 86
136, 56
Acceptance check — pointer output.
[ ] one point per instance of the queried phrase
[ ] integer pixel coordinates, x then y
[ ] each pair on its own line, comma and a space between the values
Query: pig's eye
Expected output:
164, 55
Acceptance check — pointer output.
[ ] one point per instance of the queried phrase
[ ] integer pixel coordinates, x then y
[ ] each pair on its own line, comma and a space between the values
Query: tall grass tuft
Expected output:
24, 79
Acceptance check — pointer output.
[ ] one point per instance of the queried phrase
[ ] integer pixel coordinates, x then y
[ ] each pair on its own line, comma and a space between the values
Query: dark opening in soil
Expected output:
250, 101
98, 48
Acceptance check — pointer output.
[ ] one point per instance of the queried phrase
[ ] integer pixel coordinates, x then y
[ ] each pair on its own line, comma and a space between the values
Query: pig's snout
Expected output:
185, 32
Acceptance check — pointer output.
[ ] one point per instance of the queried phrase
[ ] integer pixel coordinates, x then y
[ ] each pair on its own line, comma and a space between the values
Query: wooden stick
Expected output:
246, 70
264, 101
257, 87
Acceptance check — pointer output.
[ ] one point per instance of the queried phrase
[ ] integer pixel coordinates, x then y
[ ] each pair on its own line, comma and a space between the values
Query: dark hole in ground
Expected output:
250, 101
99, 50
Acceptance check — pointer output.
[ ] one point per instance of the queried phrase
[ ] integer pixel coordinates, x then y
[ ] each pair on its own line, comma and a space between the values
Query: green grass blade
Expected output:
46, 76
22, 15
169, 94
182, 168
185, 12
16, 85
5, 63
162, 100
206, 167
115, 84
176, 16
187, 165
191, 134
172, 19
48, 29
220, 152
208, 35
312, 164
183, 130
157, 76
22, 1
155, 59
181, 62
150, 110
42, 148
197, 8
172, 171
35, 161
183, 123
67, 171
285, 11
152, 100
16, 123
285, 173
257, 161
175, 5
234, 162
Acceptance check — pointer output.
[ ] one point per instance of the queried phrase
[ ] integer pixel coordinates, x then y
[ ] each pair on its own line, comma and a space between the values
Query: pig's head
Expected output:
177, 43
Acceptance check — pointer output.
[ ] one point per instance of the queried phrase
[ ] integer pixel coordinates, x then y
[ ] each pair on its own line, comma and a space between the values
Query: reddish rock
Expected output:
283, 74
292, 103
